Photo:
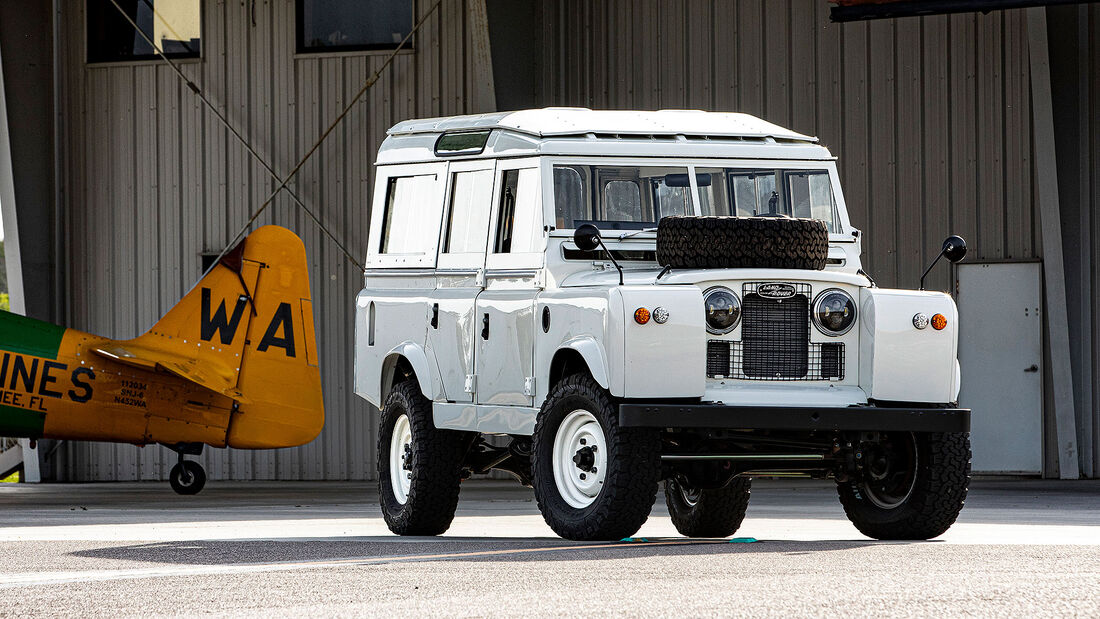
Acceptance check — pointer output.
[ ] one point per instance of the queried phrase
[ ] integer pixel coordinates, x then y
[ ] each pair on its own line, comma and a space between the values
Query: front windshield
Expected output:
619, 198
630, 198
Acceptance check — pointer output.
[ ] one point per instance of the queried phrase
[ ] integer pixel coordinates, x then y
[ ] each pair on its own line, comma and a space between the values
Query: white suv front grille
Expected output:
775, 339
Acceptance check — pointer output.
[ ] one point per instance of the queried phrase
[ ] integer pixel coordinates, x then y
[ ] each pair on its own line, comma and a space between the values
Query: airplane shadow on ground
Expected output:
392, 550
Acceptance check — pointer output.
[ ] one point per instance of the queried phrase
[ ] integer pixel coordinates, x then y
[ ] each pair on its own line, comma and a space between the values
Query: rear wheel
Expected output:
708, 513
593, 480
419, 465
910, 485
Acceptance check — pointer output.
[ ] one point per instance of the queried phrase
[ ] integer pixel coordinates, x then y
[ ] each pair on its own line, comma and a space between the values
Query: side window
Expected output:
519, 219
468, 220
569, 201
507, 217
408, 199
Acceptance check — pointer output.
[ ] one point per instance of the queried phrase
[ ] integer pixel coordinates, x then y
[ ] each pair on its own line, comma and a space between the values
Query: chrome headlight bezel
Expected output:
706, 311
815, 311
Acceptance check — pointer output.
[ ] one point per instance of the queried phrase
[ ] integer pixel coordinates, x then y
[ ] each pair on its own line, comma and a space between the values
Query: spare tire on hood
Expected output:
685, 242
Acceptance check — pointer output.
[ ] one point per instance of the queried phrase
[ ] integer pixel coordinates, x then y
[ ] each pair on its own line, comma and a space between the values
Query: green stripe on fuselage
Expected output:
21, 423
28, 336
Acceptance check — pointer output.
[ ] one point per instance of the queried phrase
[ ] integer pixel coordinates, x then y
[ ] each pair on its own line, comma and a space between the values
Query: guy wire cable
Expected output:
282, 182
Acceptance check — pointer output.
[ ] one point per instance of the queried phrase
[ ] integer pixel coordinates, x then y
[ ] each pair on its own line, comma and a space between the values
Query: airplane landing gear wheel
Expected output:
187, 477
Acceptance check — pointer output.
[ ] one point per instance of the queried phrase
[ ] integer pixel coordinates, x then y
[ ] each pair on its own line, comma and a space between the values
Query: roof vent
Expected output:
461, 143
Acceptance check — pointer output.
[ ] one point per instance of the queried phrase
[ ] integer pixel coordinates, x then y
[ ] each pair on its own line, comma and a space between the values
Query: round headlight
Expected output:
834, 312
723, 310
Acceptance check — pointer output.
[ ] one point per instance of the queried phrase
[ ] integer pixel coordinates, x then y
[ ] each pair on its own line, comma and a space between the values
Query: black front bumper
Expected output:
857, 418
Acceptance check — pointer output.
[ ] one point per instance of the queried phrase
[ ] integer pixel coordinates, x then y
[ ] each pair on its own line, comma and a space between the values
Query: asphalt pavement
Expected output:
1021, 547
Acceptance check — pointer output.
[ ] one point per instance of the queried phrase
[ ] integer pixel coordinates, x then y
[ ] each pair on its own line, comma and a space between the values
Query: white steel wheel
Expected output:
401, 459
579, 458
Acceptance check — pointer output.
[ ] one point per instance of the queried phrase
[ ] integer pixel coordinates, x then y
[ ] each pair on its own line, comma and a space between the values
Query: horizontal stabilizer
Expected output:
213, 376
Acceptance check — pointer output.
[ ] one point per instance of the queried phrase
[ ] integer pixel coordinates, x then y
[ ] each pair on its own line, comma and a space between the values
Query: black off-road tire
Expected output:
716, 513
686, 242
437, 457
187, 478
937, 497
633, 467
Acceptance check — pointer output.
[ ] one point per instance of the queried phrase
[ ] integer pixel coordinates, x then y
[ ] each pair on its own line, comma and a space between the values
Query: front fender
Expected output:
593, 355
897, 361
426, 376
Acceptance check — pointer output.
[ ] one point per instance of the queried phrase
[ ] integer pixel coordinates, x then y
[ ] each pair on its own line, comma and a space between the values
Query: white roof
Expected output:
571, 121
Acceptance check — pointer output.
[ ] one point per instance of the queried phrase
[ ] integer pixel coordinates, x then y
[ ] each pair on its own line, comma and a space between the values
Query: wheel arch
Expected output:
406, 360
582, 354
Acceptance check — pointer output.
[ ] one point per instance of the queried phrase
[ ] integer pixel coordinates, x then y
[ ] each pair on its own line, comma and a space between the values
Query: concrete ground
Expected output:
322, 549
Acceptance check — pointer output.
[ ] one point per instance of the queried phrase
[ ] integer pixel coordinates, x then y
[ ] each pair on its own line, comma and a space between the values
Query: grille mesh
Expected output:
775, 337
775, 341
824, 361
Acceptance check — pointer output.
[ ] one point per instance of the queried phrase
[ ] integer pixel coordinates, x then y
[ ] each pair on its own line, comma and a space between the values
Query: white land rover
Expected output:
597, 301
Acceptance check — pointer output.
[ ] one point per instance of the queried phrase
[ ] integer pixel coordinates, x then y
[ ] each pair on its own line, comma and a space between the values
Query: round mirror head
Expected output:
586, 237
954, 248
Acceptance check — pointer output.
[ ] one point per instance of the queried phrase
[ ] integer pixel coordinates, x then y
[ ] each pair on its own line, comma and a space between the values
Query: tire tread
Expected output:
629, 490
712, 242
942, 483
437, 466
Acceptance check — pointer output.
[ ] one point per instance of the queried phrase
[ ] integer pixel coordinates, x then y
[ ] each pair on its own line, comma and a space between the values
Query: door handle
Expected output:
435, 315
485, 327
1033, 368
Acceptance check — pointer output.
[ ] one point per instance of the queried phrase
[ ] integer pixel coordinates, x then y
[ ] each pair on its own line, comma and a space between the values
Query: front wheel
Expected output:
419, 465
912, 485
708, 513
593, 480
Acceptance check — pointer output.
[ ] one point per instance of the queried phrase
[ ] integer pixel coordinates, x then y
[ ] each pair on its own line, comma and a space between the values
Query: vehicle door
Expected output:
460, 274
513, 278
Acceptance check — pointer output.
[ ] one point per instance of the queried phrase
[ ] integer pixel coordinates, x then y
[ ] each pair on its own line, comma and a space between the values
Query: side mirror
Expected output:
587, 237
954, 248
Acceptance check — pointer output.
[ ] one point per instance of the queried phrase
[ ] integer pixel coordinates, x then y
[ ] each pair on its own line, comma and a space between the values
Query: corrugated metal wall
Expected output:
150, 181
929, 116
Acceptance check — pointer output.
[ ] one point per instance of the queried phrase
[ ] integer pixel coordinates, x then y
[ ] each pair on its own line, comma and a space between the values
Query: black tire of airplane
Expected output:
686, 242
192, 482
716, 512
437, 458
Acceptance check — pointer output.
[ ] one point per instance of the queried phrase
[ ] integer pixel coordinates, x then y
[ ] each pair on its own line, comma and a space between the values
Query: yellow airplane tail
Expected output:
246, 331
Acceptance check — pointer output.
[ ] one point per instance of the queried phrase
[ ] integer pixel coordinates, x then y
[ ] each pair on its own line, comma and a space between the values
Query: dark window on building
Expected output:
174, 25
352, 25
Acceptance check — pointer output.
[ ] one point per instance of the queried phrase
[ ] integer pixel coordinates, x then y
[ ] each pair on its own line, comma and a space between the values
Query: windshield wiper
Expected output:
627, 235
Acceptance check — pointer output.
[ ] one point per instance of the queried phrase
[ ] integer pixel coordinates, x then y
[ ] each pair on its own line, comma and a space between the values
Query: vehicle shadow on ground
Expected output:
389, 550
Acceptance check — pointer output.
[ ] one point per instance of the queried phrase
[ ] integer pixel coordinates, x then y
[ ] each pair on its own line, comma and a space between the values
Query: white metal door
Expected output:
459, 270
506, 308
1000, 351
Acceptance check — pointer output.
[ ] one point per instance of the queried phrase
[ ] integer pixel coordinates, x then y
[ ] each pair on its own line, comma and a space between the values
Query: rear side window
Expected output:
408, 201
468, 221
519, 222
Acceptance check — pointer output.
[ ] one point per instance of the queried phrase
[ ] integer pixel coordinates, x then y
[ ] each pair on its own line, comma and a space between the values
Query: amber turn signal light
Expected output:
641, 315
939, 321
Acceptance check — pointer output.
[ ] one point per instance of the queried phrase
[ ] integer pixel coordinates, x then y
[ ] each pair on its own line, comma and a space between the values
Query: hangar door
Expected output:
1000, 351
